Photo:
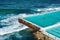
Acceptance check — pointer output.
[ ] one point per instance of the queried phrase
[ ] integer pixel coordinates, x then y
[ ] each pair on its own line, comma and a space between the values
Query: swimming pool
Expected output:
45, 20
54, 31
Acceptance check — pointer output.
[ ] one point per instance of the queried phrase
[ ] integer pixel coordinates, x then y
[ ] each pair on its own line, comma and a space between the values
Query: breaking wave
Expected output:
11, 29
10, 24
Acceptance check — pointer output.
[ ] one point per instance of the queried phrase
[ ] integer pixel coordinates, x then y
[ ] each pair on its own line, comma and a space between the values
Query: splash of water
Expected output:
10, 24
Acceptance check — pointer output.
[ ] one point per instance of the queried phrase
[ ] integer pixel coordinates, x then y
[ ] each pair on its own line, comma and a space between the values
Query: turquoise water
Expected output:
54, 31
45, 19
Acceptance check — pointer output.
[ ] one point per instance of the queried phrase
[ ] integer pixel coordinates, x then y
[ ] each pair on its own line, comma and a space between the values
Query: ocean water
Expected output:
9, 20
18, 4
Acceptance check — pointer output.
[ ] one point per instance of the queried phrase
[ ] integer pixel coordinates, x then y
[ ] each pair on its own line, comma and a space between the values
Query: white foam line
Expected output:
25, 15
6, 20
11, 31
41, 13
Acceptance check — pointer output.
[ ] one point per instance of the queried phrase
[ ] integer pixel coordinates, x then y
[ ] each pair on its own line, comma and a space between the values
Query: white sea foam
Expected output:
13, 25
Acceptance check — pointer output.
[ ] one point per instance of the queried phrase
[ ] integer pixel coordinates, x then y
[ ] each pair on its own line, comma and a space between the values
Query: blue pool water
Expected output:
54, 31
45, 20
